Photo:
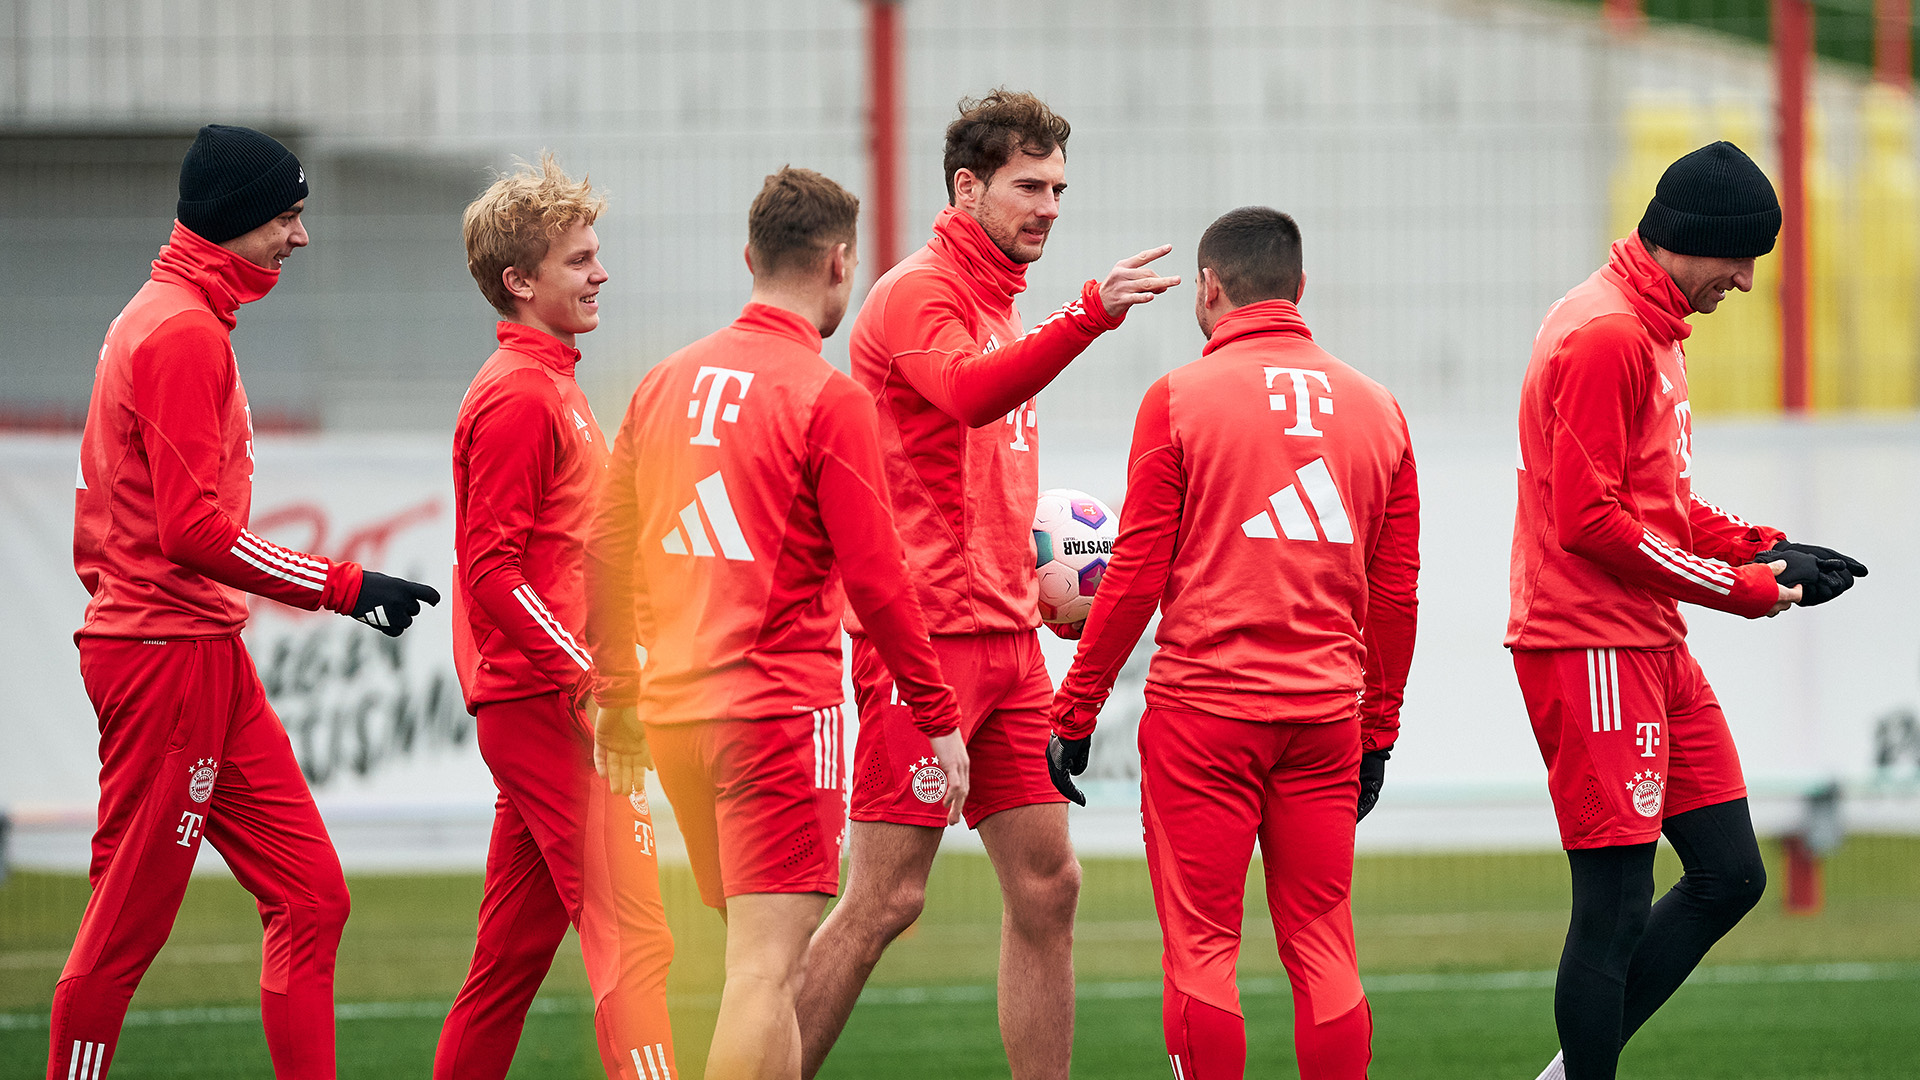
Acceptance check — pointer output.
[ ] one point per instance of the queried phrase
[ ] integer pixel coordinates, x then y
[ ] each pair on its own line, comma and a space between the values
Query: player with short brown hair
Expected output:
745, 508
942, 349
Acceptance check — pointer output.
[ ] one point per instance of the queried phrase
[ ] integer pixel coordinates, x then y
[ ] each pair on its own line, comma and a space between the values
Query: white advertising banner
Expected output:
1820, 694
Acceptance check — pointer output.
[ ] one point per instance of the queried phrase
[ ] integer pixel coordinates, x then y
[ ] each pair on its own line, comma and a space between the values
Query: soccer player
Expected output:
939, 344
1608, 538
528, 462
189, 747
1273, 515
746, 493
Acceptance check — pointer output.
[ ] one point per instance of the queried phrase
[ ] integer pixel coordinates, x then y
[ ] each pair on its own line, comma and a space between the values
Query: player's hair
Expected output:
1255, 252
797, 217
990, 129
514, 220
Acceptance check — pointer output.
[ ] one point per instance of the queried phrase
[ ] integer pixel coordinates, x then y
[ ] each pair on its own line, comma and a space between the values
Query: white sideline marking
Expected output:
1719, 975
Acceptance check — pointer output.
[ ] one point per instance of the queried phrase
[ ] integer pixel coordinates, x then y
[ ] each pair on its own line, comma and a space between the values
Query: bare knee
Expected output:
1042, 898
889, 911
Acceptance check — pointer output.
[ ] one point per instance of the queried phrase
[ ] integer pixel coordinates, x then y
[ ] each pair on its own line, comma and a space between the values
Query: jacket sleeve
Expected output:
1136, 574
1393, 604
844, 456
511, 450
937, 355
612, 575
183, 381
1600, 377
1720, 535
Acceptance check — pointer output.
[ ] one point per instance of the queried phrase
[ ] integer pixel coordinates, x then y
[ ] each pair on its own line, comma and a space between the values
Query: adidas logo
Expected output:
580, 425
692, 535
1313, 490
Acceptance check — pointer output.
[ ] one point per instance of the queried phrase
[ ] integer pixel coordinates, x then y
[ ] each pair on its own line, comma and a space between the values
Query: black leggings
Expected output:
1624, 959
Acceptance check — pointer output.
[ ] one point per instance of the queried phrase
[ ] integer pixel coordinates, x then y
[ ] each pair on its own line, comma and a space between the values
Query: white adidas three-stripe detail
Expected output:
1178, 1072
1603, 689
1706, 573
87, 1061
710, 495
827, 747
278, 561
655, 1065
531, 601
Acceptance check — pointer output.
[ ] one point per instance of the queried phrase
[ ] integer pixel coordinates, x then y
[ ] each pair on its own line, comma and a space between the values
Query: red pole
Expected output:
1893, 43
1792, 50
883, 136
1624, 16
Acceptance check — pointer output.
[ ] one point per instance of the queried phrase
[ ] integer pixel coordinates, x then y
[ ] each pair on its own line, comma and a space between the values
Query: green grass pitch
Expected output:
1454, 947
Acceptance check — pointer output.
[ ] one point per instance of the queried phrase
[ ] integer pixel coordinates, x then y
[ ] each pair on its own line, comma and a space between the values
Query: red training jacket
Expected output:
938, 344
1608, 535
746, 485
1273, 514
528, 460
166, 465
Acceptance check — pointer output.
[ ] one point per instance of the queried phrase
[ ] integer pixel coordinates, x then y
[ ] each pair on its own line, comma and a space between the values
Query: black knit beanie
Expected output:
1714, 202
235, 180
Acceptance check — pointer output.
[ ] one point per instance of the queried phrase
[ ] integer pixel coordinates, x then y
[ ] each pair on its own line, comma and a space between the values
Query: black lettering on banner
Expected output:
356, 702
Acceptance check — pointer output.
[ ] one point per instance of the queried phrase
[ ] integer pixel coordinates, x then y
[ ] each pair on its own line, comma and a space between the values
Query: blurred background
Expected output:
1455, 166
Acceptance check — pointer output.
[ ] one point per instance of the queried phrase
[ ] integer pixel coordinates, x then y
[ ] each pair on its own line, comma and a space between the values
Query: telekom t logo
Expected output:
1305, 401
1024, 419
1647, 734
189, 827
1683, 446
711, 410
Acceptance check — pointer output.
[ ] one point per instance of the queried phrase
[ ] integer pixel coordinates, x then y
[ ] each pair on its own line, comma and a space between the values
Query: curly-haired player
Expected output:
528, 461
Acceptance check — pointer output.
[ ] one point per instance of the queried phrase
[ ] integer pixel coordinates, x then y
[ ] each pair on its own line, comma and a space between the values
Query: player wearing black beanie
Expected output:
234, 180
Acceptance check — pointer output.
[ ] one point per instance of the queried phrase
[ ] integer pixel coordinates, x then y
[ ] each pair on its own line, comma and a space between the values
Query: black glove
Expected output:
1066, 759
1820, 579
1854, 567
390, 603
1373, 773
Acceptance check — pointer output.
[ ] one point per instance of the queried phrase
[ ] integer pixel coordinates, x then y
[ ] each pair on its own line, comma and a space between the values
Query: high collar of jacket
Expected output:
767, 319
1259, 317
224, 278
538, 344
961, 239
1649, 288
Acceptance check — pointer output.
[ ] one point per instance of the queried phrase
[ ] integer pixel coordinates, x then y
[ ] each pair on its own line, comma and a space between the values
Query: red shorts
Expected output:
1630, 737
761, 803
1004, 694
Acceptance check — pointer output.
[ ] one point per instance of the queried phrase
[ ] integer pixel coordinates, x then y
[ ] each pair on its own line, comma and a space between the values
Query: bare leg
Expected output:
757, 1036
1040, 890
886, 888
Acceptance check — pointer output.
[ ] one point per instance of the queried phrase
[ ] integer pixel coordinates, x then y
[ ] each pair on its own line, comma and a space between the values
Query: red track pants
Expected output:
564, 851
1208, 787
190, 750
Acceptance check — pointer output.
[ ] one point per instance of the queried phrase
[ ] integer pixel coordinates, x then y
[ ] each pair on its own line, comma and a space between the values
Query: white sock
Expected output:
1556, 1069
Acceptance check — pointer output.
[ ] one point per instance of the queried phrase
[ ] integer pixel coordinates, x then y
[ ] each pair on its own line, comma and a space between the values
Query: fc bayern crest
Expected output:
1648, 792
200, 782
929, 780
637, 798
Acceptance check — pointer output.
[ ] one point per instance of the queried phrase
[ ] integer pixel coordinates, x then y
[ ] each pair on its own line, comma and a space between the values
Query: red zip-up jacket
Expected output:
938, 344
528, 461
165, 483
1608, 536
1273, 515
746, 490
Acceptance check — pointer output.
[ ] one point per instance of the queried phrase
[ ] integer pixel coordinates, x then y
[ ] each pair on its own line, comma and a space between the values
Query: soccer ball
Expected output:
1073, 535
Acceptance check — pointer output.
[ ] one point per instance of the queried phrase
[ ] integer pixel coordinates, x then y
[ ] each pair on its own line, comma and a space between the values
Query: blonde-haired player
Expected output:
528, 459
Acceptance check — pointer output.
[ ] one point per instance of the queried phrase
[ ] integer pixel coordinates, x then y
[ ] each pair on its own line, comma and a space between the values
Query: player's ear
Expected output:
1300, 290
839, 263
747, 254
518, 285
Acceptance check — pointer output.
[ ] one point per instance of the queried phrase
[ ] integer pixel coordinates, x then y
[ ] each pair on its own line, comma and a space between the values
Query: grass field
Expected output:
1457, 951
